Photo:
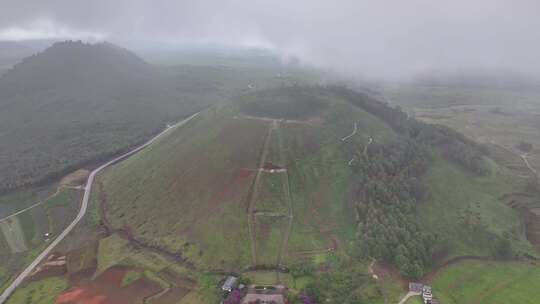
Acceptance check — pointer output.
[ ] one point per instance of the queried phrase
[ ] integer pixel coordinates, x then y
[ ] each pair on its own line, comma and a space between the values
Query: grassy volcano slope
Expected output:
188, 192
321, 180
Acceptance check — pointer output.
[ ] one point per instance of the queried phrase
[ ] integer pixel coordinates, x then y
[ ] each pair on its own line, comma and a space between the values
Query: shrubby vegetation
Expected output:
388, 189
294, 102
345, 283
451, 144
390, 185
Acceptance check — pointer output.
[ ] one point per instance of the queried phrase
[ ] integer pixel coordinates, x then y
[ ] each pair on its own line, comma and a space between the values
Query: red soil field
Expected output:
106, 289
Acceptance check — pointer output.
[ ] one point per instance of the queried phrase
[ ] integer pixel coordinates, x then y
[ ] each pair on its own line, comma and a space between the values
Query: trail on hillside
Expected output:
254, 194
287, 192
523, 157
409, 295
58, 189
526, 161
355, 129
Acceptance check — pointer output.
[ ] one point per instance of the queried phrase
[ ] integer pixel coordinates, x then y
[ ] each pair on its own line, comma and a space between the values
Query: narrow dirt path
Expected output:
371, 271
355, 129
364, 152
367, 146
254, 194
410, 294
287, 192
23, 210
522, 156
58, 189
526, 161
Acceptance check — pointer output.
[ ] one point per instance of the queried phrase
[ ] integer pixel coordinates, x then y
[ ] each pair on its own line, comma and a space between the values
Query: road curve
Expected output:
20, 278
410, 294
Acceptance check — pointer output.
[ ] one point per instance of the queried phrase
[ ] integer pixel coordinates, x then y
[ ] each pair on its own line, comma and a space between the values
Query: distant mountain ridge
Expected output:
497, 79
12, 52
72, 63
76, 102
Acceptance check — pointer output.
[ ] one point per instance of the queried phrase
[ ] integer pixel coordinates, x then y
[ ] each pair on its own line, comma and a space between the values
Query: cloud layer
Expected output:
384, 38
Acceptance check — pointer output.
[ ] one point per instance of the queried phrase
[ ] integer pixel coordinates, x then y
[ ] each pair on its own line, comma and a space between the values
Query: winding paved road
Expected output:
20, 278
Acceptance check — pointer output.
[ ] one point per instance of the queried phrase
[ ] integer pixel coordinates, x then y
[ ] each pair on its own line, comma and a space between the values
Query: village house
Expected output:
229, 284
266, 295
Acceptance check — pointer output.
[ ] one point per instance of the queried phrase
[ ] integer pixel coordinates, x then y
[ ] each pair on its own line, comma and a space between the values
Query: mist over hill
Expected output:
11, 53
486, 78
77, 102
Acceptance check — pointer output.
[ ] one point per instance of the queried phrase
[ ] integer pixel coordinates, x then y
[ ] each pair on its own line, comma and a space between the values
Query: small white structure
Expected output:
427, 296
229, 284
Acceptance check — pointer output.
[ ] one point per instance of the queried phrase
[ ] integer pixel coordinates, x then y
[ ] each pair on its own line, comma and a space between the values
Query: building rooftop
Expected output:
416, 287
265, 295
229, 283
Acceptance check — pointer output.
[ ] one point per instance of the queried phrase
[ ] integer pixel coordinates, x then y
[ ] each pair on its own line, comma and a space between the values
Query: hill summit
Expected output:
71, 66
76, 103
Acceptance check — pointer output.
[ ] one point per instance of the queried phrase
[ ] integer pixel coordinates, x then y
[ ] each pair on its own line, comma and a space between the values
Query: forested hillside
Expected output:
393, 186
76, 103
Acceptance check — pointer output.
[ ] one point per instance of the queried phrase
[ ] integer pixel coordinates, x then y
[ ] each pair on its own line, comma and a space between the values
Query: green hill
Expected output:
192, 192
255, 185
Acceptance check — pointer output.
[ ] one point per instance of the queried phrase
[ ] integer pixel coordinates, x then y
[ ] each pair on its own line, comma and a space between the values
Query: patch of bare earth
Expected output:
107, 289
76, 178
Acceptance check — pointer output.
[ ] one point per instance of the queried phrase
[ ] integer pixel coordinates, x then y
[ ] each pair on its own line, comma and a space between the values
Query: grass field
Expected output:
40, 292
201, 191
52, 216
488, 282
499, 118
467, 213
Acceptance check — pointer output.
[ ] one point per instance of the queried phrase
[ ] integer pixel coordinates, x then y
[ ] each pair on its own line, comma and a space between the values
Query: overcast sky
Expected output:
378, 37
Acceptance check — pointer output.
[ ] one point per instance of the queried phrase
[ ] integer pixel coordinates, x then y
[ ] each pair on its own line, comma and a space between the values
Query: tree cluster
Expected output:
451, 144
388, 190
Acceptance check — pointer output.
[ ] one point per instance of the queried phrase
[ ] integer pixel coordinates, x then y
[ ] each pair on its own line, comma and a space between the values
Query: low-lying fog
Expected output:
380, 39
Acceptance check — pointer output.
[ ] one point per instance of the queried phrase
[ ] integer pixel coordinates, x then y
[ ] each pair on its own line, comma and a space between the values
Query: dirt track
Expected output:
253, 197
287, 192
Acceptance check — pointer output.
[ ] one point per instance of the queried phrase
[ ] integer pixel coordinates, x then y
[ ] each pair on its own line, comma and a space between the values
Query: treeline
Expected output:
451, 144
387, 193
345, 282
390, 185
